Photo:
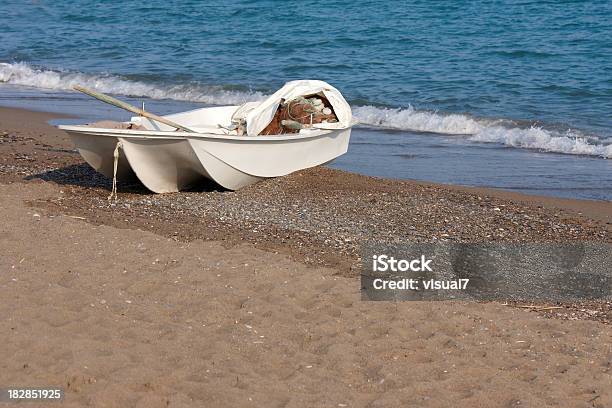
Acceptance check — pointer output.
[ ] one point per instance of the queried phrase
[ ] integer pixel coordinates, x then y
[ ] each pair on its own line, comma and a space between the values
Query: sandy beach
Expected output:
251, 298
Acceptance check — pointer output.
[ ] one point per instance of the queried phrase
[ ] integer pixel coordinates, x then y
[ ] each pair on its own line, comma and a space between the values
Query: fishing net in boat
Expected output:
301, 112
297, 105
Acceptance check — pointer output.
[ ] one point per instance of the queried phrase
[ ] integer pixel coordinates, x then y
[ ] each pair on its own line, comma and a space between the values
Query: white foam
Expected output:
420, 121
25, 75
478, 130
482, 130
543, 139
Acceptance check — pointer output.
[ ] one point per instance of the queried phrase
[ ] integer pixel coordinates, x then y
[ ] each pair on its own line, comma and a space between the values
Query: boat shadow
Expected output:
83, 175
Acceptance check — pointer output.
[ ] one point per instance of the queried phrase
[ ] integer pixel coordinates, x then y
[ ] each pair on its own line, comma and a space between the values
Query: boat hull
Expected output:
172, 162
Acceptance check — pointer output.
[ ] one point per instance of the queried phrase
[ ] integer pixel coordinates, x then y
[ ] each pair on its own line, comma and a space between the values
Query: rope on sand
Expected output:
113, 194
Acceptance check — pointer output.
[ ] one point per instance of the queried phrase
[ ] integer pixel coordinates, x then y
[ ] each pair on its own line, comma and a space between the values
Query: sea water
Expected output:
508, 94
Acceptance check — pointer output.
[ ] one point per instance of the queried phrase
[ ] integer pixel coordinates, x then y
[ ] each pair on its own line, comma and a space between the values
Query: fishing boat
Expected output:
304, 124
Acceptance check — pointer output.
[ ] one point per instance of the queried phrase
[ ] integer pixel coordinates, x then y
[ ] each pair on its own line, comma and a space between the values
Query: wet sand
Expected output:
251, 298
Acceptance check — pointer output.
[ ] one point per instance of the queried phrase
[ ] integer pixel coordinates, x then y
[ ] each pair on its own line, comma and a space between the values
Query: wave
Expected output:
544, 139
484, 130
417, 120
475, 129
25, 75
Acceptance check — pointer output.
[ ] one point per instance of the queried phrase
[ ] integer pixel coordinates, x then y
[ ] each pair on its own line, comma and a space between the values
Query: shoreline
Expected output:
373, 152
588, 207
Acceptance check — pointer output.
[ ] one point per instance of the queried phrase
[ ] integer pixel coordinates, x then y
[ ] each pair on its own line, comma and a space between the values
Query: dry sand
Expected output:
121, 310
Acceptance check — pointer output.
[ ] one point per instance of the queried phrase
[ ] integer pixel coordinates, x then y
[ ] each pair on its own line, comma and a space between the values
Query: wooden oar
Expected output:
131, 108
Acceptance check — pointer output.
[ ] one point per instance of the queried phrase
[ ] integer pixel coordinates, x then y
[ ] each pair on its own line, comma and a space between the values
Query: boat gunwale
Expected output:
153, 134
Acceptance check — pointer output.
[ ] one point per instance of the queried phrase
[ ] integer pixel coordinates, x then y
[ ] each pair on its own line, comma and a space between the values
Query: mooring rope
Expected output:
113, 194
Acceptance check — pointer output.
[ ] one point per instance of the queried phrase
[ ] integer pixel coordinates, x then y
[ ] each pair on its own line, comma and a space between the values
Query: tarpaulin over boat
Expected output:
260, 116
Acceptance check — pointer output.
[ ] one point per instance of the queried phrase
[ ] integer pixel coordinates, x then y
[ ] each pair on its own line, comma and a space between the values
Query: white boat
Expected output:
166, 160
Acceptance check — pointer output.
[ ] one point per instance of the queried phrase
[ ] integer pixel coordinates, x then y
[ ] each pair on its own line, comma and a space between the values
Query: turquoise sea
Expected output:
509, 94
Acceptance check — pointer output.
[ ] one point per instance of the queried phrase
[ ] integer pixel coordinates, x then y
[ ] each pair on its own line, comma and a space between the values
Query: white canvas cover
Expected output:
261, 115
